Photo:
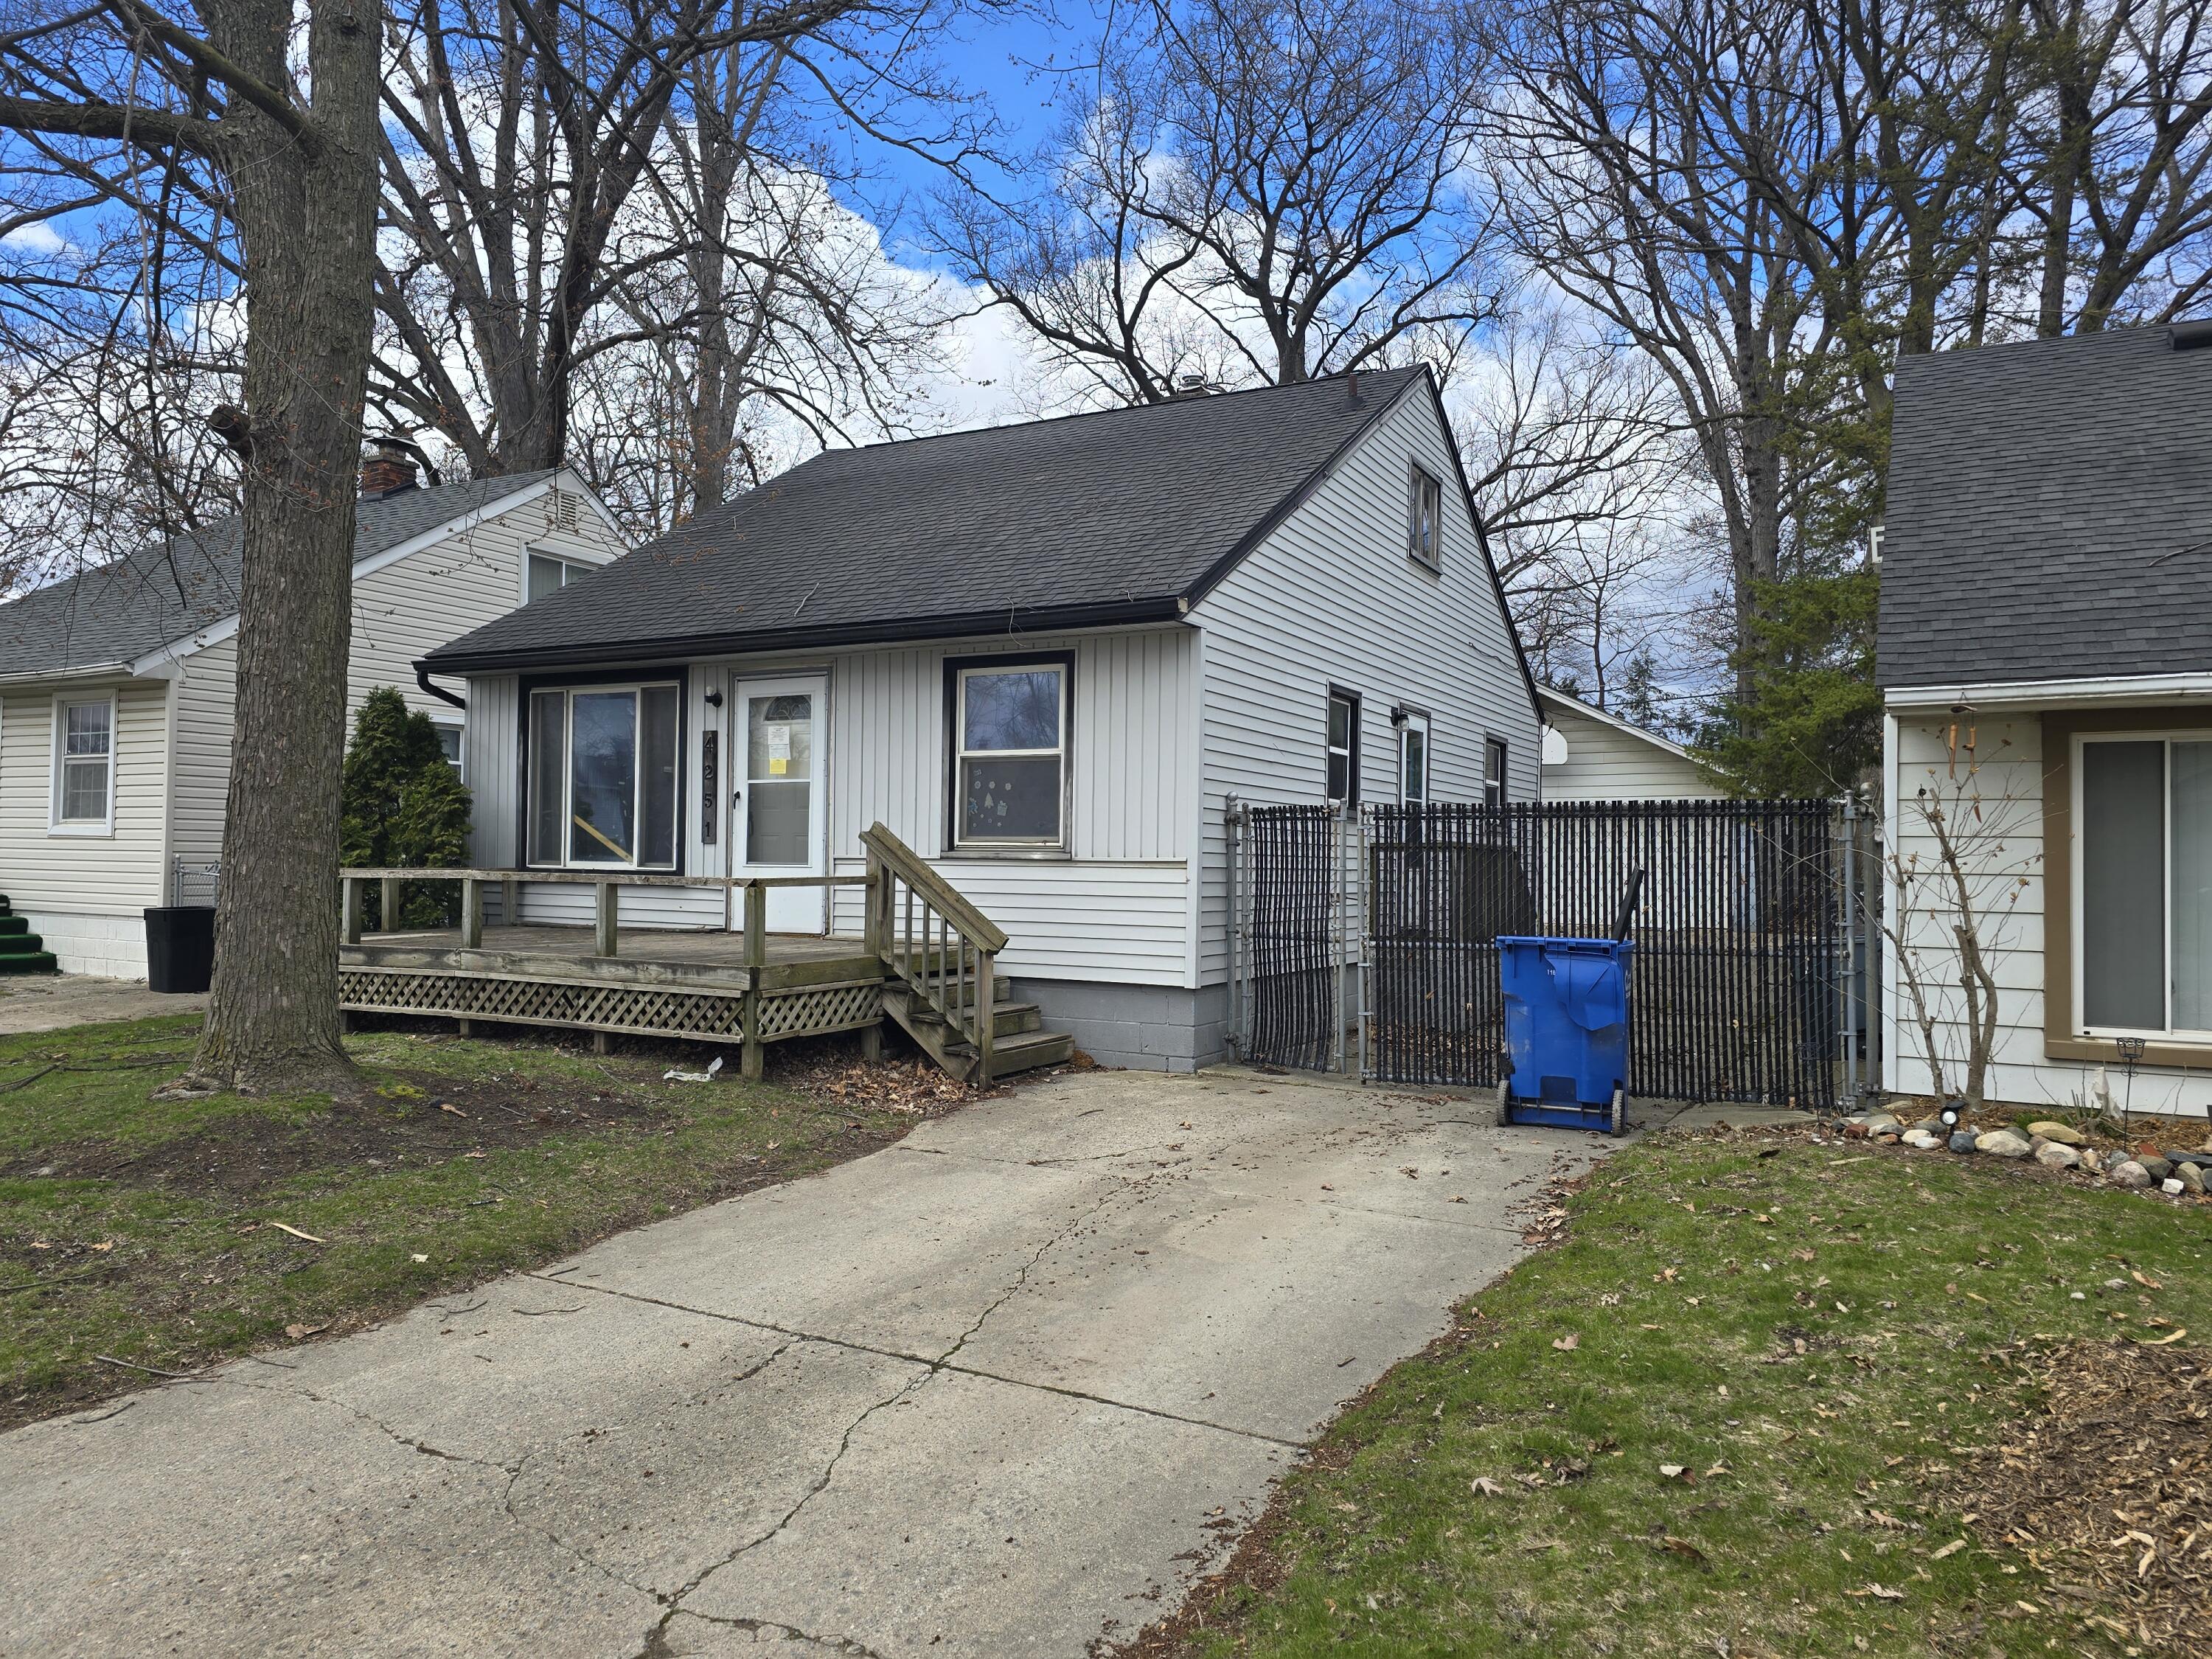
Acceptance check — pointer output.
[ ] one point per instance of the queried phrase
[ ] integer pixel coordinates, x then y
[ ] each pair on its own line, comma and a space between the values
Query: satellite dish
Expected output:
1555, 746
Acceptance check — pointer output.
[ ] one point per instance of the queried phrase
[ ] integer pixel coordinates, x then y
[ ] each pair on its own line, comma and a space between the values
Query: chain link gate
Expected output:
1744, 983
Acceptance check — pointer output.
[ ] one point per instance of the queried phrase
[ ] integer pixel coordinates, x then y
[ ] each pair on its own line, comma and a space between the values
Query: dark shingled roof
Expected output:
172, 589
1084, 520
2039, 493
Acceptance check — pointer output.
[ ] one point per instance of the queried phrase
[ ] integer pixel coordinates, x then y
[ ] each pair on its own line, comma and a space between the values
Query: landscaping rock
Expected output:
2055, 1157
1920, 1140
1962, 1140
1881, 1123
2171, 1187
1931, 1125
2092, 1159
2157, 1168
2191, 1178
2064, 1133
2129, 1173
2004, 1143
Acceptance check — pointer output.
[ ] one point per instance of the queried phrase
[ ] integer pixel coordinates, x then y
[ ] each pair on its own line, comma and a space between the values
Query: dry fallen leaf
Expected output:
418, 1256
1674, 1470
1883, 1593
1949, 1550
2148, 1284
1483, 1486
102, 1248
1686, 1549
448, 1106
1567, 1344
297, 1331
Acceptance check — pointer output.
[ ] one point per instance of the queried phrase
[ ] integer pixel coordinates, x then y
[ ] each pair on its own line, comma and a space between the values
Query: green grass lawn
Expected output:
149, 1231
1742, 1408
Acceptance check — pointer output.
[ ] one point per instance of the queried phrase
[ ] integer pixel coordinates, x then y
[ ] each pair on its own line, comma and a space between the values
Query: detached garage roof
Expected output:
121, 613
1126, 515
2050, 511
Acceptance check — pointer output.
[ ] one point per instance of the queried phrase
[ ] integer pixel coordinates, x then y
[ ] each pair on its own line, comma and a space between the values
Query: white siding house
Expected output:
1590, 755
150, 641
2046, 656
1190, 586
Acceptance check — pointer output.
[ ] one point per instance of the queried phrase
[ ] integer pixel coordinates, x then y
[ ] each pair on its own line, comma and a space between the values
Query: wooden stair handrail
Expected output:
946, 957
944, 898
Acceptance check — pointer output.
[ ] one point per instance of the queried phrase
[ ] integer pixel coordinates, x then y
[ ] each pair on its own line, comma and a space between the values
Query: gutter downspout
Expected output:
422, 679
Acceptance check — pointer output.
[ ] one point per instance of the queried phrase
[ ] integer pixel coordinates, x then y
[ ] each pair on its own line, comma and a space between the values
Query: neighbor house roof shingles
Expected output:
120, 612
2040, 496
1113, 516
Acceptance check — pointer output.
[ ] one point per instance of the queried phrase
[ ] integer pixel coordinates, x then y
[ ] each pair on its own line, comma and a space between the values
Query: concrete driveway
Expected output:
995, 1391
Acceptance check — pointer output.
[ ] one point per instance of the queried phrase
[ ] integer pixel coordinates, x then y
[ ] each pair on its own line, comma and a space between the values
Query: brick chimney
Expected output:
389, 468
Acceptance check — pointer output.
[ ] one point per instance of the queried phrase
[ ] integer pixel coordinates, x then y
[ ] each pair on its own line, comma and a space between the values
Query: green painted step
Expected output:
21, 945
13, 924
38, 962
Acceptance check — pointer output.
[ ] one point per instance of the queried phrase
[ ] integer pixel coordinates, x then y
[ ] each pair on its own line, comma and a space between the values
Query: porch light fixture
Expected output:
713, 700
1397, 714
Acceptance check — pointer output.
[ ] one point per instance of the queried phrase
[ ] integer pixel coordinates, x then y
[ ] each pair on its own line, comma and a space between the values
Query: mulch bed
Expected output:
2107, 1486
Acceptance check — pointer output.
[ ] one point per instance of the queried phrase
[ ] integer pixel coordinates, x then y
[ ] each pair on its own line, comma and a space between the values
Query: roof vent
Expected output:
2188, 336
1189, 384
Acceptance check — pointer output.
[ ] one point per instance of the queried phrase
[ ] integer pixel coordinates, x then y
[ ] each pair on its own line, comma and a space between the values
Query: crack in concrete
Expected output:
299, 1391
657, 1640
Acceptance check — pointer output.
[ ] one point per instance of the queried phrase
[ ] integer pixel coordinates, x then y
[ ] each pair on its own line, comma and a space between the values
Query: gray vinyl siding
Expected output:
1606, 763
1331, 597
1115, 908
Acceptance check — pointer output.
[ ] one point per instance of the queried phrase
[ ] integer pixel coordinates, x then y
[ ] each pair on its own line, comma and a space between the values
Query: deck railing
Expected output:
941, 948
606, 910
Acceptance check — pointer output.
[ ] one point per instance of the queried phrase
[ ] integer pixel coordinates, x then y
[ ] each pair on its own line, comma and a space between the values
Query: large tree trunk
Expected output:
307, 218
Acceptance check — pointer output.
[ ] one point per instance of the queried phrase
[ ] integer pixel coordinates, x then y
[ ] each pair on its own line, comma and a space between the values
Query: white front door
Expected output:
779, 824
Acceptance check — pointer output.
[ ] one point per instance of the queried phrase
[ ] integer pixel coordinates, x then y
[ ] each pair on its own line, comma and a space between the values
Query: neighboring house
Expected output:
117, 686
1045, 656
1589, 754
2045, 660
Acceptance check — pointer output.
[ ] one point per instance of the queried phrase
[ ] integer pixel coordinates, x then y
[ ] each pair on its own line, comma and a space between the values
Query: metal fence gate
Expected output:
1742, 977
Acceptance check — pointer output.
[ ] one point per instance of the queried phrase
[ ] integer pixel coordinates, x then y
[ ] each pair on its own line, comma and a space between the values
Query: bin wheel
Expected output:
1505, 1104
1620, 1111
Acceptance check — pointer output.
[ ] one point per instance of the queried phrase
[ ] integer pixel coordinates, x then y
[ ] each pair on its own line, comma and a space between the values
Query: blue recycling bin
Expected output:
1566, 1031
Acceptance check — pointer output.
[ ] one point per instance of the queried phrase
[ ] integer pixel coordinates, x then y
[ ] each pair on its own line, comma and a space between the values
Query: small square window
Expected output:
549, 575
1424, 512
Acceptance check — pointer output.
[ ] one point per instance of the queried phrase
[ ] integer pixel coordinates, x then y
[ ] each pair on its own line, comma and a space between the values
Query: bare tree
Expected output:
290, 156
518, 140
2111, 168
1249, 190
1951, 902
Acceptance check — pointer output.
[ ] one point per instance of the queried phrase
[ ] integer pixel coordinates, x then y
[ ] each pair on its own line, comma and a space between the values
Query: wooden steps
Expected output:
1020, 1042
21, 951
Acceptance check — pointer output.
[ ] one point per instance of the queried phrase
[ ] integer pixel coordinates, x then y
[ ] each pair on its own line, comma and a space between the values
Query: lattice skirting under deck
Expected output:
638, 1010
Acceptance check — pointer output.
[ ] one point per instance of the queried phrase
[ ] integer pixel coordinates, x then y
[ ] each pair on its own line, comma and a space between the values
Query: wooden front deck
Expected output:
927, 961
665, 982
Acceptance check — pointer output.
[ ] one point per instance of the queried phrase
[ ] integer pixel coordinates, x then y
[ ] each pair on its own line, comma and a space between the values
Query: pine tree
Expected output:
404, 808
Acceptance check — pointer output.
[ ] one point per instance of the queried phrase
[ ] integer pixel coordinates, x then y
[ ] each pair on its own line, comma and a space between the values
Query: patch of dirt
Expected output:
2105, 1484
423, 1118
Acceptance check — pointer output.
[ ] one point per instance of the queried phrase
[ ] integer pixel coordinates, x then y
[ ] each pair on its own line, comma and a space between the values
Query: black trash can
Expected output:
179, 947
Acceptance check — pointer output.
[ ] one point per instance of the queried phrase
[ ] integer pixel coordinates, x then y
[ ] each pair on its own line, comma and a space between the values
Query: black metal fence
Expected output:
1739, 936
1294, 931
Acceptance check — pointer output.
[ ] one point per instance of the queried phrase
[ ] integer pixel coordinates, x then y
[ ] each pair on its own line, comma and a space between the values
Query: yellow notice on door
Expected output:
779, 750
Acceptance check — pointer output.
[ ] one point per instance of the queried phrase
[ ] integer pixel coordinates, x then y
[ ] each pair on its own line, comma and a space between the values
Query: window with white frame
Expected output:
1413, 758
549, 575
603, 766
1010, 755
1493, 772
84, 764
1343, 768
449, 743
2143, 901
1424, 513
